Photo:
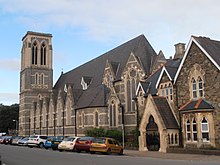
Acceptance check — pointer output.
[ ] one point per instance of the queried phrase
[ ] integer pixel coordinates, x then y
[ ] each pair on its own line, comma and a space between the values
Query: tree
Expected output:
7, 115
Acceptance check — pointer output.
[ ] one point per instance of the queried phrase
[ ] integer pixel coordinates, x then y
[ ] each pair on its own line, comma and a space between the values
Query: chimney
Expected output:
180, 50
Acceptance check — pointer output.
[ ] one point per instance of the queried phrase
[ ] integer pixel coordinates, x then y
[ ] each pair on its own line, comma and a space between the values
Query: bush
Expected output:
100, 132
95, 132
114, 134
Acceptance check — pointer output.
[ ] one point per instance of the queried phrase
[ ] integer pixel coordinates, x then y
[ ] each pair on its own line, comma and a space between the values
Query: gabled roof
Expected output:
152, 82
149, 86
200, 104
170, 69
209, 47
95, 68
165, 112
93, 97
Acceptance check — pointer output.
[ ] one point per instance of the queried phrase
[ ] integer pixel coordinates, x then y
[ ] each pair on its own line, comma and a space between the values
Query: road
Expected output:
15, 155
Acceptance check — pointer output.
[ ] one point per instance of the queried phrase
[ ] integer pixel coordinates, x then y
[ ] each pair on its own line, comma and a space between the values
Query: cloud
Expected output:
10, 64
9, 98
164, 22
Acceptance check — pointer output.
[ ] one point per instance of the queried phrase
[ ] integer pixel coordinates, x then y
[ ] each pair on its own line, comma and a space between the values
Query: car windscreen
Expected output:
100, 140
33, 136
68, 139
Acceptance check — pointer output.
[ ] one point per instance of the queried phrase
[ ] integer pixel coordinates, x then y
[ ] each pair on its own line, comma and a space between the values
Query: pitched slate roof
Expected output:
200, 104
212, 47
165, 112
149, 85
94, 69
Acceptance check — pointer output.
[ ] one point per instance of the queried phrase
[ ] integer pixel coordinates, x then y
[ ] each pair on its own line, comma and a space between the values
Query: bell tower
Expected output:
36, 75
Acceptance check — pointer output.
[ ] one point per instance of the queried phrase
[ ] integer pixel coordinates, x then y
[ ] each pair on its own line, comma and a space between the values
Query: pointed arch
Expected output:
43, 53
34, 52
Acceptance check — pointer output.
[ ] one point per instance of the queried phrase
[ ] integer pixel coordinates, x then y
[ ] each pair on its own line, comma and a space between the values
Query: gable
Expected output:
209, 48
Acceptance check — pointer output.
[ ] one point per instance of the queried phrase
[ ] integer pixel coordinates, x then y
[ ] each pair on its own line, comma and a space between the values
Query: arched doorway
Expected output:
152, 135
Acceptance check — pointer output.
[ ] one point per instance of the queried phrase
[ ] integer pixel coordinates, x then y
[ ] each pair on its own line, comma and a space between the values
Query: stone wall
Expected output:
211, 84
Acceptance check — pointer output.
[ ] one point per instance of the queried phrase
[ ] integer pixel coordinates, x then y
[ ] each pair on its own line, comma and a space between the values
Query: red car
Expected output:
84, 144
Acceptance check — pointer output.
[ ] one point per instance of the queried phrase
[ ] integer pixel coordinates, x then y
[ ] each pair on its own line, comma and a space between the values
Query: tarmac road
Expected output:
15, 155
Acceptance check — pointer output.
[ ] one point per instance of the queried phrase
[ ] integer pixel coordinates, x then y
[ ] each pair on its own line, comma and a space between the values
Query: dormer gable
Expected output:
85, 82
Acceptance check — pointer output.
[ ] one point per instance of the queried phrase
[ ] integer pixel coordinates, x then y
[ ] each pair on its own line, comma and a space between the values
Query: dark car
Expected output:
7, 140
56, 141
48, 142
84, 144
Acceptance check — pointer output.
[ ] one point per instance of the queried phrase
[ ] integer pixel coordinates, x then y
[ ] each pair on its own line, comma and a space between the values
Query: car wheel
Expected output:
78, 150
92, 152
74, 149
121, 152
60, 150
108, 151
41, 145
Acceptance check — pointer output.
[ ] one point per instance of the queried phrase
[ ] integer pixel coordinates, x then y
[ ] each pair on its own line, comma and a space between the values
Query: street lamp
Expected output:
54, 123
16, 126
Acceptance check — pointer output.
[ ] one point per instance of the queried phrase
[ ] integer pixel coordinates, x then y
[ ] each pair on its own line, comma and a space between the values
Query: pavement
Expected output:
173, 156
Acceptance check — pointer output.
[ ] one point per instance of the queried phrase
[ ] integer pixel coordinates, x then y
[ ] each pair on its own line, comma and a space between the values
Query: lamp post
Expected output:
54, 124
16, 127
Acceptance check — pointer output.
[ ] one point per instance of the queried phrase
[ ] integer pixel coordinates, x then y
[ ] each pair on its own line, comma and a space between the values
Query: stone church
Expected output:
172, 102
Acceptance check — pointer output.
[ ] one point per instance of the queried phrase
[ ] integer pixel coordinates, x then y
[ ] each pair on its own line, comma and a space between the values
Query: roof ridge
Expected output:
183, 106
198, 103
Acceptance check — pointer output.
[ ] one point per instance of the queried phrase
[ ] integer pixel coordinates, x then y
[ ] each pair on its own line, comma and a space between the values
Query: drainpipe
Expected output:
75, 123
180, 116
123, 126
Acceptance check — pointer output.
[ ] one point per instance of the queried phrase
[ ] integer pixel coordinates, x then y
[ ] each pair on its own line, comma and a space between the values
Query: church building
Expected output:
171, 102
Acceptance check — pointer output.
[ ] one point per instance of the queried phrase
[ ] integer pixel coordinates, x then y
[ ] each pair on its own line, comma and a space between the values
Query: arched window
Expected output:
36, 78
205, 129
112, 114
200, 87
34, 53
96, 119
168, 138
194, 129
83, 119
42, 79
43, 54
188, 131
171, 93
194, 90
131, 86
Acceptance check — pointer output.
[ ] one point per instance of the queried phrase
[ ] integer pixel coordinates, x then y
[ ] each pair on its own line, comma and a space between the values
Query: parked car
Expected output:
56, 141
36, 141
48, 143
23, 142
106, 145
83, 144
1, 139
68, 143
15, 140
7, 139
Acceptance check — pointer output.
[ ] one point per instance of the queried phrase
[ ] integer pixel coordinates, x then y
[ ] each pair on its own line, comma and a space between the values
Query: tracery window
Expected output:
205, 129
188, 130
96, 119
43, 54
131, 86
194, 91
34, 53
200, 87
194, 130
112, 114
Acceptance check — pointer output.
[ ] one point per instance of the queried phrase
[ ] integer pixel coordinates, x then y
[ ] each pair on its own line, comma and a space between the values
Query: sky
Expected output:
85, 29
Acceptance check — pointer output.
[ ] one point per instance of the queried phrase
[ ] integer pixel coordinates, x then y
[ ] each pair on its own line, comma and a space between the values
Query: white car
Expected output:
68, 144
36, 141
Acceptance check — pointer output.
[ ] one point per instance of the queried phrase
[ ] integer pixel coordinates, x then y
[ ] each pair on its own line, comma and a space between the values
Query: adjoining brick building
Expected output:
172, 102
